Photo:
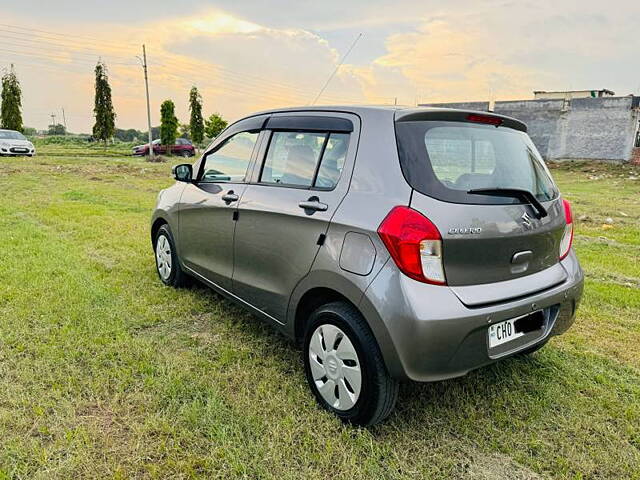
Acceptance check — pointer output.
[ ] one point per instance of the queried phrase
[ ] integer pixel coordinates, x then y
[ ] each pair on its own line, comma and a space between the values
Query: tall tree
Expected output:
196, 123
168, 124
10, 111
105, 125
214, 125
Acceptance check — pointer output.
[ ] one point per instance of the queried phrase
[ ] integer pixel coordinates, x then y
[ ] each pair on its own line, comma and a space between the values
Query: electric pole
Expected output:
64, 119
146, 86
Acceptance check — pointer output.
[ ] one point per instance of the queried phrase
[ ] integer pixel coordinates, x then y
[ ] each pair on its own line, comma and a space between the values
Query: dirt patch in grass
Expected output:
498, 467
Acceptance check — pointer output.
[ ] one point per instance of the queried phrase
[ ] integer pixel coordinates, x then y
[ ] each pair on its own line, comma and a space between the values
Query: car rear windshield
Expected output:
447, 159
11, 135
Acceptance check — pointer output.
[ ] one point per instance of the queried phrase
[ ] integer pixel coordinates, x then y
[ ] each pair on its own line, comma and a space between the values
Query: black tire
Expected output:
379, 392
176, 278
186, 154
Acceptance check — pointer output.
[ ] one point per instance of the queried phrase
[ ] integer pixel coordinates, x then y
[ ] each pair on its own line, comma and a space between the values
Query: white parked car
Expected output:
14, 143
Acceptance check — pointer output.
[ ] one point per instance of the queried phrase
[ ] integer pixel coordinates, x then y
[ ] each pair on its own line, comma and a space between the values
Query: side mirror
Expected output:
183, 172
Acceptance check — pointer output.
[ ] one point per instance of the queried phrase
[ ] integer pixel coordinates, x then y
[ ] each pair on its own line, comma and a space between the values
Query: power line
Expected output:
177, 62
35, 43
262, 87
44, 52
237, 87
43, 67
274, 88
62, 52
63, 35
46, 57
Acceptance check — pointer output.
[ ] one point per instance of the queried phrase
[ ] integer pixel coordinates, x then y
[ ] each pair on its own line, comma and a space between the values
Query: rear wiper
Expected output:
525, 195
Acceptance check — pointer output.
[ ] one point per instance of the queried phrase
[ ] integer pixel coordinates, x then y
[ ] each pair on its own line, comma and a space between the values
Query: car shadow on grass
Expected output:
518, 387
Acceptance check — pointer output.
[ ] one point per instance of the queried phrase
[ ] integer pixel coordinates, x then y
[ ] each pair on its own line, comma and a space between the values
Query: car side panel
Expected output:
276, 241
376, 186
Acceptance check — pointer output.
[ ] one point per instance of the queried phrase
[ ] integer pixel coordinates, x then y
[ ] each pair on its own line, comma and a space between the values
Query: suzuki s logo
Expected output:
526, 220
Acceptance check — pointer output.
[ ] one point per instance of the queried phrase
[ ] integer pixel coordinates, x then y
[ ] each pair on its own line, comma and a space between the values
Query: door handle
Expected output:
314, 204
230, 197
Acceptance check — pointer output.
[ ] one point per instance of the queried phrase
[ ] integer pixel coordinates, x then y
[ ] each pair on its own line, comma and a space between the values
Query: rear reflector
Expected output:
567, 235
487, 119
414, 243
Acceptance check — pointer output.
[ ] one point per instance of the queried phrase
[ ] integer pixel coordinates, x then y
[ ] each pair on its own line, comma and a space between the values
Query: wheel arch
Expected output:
155, 226
323, 287
310, 301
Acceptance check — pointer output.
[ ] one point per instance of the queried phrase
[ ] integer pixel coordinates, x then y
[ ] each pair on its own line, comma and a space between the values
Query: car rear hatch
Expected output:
480, 180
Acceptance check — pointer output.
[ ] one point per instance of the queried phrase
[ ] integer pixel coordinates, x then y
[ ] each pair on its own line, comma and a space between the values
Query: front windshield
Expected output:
455, 157
11, 135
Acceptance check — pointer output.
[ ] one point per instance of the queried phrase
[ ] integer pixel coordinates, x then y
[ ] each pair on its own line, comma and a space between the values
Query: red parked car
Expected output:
182, 147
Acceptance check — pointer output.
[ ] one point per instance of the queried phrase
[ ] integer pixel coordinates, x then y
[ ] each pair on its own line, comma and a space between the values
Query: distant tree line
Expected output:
104, 128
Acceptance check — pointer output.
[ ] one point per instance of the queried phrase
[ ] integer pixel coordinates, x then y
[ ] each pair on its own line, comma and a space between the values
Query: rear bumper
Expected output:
426, 333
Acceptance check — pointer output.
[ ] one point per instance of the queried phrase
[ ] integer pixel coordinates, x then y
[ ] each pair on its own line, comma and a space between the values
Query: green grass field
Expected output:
105, 373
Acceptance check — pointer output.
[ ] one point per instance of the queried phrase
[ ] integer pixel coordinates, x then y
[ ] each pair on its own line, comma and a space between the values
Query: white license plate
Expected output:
503, 332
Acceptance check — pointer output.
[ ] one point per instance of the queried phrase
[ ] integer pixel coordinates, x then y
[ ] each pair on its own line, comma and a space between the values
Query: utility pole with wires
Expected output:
64, 120
143, 60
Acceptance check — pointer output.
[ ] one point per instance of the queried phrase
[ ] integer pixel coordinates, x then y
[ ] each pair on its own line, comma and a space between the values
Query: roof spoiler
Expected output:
453, 115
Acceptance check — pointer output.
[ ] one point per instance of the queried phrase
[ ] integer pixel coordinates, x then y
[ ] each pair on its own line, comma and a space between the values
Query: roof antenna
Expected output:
336, 69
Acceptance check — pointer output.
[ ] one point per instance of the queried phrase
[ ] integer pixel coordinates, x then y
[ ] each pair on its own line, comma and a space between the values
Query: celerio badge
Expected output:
464, 231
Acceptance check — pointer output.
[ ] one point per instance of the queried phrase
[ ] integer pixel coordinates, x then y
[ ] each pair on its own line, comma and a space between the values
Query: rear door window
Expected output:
447, 159
305, 159
292, 158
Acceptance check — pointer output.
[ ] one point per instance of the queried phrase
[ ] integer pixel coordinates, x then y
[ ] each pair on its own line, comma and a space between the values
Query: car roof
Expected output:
399, 111
334, 108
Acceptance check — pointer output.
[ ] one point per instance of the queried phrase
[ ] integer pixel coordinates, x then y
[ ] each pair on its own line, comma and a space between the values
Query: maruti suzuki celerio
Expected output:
389, 243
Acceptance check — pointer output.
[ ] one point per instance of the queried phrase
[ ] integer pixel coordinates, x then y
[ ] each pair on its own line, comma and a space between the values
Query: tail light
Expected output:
567, 235
414, 243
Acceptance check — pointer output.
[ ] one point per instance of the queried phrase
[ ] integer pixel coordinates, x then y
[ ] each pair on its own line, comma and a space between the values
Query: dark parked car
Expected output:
391, 244
182, 147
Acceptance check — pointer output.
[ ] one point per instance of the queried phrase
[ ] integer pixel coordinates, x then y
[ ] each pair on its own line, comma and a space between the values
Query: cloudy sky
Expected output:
251, 55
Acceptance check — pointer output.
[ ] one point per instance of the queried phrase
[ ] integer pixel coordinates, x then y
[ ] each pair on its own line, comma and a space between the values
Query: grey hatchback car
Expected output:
389, 243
